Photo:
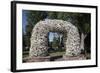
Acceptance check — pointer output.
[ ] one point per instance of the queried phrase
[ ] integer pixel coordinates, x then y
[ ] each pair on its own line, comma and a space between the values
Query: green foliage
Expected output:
55, 43
84, 23
32, 18
52, 15
81, 20
57, 53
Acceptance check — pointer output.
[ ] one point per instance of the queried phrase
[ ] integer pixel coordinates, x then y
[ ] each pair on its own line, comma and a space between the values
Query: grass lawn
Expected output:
56, 53
52, 54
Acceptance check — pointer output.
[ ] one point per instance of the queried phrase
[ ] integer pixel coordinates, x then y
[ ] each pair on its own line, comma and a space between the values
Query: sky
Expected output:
24, 20
51, 36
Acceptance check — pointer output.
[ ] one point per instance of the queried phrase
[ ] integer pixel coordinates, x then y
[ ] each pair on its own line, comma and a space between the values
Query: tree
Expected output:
84, 25
52, 15
55, 41
32, 18
80, 20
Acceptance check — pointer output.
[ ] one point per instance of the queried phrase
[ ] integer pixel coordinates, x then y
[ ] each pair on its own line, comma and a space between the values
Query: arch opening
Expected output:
55, 42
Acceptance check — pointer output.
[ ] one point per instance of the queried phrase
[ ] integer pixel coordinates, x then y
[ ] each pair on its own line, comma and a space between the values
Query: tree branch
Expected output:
85, 36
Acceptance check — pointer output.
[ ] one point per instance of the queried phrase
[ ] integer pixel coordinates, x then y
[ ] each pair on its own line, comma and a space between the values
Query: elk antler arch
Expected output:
39, 37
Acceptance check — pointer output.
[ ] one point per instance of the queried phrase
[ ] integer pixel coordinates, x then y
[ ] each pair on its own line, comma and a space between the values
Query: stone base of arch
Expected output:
79, 57
49, 58
39, 59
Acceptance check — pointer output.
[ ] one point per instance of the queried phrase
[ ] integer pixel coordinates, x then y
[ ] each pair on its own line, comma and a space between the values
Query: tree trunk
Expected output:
83, 36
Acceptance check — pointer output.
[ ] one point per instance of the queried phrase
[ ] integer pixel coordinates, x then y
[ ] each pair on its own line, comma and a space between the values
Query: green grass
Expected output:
57, 53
